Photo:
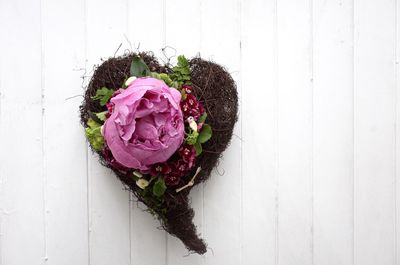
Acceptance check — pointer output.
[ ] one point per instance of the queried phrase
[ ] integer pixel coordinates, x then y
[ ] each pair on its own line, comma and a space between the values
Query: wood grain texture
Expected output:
311, 175
21, 133
333, 132
295, 138
65, 152
374, 140
259, 111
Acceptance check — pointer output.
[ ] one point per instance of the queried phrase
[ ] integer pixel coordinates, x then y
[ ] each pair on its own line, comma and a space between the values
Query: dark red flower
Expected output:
185, 108
188, 154
172, 179
191, 107
187, 89
160, 169
180, 167
192, 101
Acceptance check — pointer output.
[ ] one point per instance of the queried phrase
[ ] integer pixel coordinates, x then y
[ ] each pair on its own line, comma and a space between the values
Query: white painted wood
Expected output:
109, 206
65, 153
333, 132
311, 176
294, 66
397, 135
220, 41
259, 122
21, 139
374, 138
144, 32
149, 244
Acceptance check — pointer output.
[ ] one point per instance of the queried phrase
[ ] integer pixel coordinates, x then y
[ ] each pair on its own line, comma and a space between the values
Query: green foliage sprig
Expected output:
181, 72
166, 78
139, 68
103, 95
93, 134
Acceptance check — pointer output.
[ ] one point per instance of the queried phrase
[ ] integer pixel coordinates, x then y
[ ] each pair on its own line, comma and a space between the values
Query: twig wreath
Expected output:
161, 129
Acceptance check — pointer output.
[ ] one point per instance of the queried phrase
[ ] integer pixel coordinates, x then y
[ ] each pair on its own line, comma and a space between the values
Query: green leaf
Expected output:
185, 71
139, 68
181, 72
159, 187
202, 118
101, 115
103, 95
198, 148
163, 77
191, 138
92, 124
182, 61
205, 134
93, 134
175, 84
94, 117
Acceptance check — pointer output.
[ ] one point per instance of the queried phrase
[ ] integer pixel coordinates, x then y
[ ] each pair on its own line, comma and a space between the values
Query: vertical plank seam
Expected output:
43, 124
354, 131
201, 28
395, 131
1, 171
88, 183
164, 23
311, 62
241, 132
276, 136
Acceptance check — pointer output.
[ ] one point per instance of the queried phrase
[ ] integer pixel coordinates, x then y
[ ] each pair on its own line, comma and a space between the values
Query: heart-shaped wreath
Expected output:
161, 129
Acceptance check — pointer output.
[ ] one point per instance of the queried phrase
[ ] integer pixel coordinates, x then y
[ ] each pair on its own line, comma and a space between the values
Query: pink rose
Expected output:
146, 124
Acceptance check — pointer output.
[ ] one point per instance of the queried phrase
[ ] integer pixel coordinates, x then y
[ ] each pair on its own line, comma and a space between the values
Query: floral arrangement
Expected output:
151, 130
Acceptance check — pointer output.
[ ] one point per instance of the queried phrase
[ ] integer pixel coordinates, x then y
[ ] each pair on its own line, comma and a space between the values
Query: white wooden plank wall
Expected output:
311, 176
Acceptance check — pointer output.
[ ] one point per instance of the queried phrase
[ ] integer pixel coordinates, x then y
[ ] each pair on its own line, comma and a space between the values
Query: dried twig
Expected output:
191, 182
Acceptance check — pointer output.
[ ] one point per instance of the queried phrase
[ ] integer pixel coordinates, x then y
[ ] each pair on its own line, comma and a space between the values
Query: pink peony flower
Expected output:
110, 160
146, 124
